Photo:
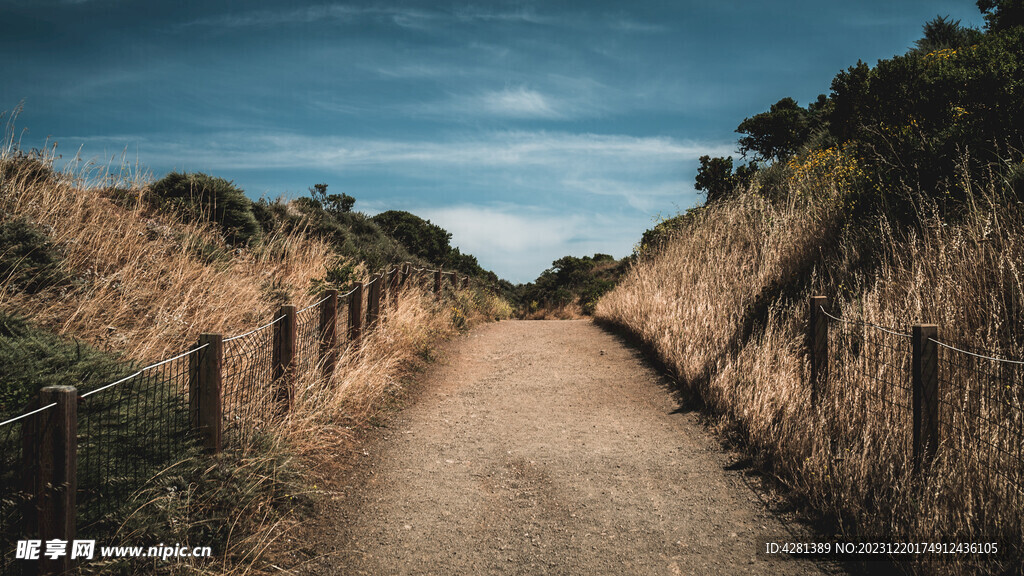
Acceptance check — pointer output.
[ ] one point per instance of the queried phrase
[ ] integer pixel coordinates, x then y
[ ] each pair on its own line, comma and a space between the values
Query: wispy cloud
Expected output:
251, 150
306, 15
519, 103
523, 240
417, 18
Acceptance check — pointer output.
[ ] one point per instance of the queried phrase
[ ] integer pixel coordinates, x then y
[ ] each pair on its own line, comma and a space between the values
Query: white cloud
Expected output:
519, 103
511, 149
520, 242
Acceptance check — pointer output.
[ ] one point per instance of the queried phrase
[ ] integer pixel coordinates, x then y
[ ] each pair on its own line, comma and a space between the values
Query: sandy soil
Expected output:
547, 447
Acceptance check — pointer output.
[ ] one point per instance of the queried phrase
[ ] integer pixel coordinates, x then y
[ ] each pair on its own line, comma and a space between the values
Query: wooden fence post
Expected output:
437, 282
329, 332
406, 270
355, 314
373, 306
204, 392
393, 281
817, 347
54, 458
455, 280
925, 381
284, 358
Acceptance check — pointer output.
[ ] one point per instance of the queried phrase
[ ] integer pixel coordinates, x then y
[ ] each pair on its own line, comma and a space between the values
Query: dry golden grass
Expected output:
571, 311
724, 305
146, 285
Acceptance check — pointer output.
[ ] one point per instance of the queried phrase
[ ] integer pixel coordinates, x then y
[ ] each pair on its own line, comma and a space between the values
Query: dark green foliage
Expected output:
848, 99
199, 196
571, 280
29, 261
265, 215
745, 173
339, 277
914, 124
1002, 14
778, 133
429, 242
944, 32
419, 236
914, 116
715, 178
333, 204
663, 230
31, 359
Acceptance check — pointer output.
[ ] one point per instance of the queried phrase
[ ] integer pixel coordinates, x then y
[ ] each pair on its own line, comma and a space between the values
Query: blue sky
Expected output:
530, 130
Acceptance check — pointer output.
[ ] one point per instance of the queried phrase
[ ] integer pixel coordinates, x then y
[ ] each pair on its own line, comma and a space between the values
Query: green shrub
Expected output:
339, 277
199, 196
29, 261
31, 359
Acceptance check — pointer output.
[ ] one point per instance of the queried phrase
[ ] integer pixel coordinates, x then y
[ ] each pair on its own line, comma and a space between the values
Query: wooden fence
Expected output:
50, 436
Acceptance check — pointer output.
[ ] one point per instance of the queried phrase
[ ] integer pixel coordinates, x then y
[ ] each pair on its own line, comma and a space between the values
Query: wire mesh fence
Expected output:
307, 340
870, 392
247, 382
981, 416
129, 432
14, 496
135, 429
967, 405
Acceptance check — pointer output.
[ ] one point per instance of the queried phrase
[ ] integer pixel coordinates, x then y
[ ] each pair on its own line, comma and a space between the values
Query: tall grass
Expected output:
144, 284
724, 304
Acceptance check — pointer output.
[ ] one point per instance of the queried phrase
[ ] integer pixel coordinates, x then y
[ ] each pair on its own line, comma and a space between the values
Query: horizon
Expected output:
530, 131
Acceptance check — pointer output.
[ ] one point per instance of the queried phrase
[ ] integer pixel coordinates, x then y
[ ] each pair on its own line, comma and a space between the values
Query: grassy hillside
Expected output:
100, 273
899, 198
724, 303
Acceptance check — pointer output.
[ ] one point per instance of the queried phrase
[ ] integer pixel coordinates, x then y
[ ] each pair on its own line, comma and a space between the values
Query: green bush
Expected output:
29, 261
202, 197
571, 280
912, 117
31, 359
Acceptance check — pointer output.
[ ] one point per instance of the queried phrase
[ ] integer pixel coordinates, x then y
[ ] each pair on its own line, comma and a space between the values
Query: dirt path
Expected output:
548, 448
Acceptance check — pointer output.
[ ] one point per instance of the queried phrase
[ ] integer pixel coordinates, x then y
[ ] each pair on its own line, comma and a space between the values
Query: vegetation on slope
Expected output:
901, 202
569, 289
97, 278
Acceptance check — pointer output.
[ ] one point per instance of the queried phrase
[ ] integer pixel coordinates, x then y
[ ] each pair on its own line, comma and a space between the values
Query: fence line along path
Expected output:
70, 462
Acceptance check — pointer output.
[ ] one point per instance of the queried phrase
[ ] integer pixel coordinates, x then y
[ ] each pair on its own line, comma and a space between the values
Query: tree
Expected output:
715, 177
777, 133
333, 204
1002, 15
943, 32
420, 237
849, 100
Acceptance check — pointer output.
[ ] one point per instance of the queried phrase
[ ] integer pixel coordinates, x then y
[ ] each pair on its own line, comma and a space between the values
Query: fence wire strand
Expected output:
981, 415
870, 386
127, 435
133, 430
247, 382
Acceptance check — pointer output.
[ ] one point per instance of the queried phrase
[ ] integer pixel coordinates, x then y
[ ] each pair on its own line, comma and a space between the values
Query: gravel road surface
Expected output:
547, 447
